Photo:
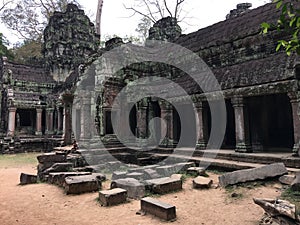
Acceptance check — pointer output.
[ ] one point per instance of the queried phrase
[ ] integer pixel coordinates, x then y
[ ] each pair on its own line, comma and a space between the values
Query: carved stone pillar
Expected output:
67, 123
295, 103
86, 117
49, 121
201, 139
241, 125
59, 120
11, 121
38, 130
167, 116
142, 119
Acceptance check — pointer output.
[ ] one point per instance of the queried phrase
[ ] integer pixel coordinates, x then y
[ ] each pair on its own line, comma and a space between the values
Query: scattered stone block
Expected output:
177, 176
157, 208
166, 170
81, 184
51, 157
59, 167
202, 182
164, 185
134, 188
260, 173
118, 175
135, 175
198, 171
287, 179
27, 179
59, 177
150, 174
112, 197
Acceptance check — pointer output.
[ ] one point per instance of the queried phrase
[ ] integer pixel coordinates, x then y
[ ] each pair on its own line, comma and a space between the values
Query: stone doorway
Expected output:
133, 120
25, 121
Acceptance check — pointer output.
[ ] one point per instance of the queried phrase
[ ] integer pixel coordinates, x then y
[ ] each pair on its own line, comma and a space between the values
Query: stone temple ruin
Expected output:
71, 96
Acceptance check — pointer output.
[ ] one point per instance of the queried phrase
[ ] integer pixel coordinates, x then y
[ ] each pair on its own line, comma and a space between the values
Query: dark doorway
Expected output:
229, 138
133, 120
271, 123
176, 126
25, 121
108, 123
43, 121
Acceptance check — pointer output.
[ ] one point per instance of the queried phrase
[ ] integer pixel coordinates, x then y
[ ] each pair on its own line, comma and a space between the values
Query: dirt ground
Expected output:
47, 204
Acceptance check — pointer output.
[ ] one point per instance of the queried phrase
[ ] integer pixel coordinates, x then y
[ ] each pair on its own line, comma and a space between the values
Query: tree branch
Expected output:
140, 13
167, 8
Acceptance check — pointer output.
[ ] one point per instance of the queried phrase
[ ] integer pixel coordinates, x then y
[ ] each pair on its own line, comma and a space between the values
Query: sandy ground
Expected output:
47, 204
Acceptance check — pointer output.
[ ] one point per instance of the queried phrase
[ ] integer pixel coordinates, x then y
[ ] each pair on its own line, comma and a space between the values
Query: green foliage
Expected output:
289, 23
4, 51
28, 52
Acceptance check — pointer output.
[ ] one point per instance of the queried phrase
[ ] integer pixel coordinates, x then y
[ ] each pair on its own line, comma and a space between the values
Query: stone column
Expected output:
201, 139
11, 121
167, 116
241, 125
59, 121
38, 130
295, 103
49, 121
67, 123
142, 119
85, 121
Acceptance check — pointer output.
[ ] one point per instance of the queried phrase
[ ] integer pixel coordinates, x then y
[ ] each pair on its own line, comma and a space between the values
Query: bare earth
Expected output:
47, 204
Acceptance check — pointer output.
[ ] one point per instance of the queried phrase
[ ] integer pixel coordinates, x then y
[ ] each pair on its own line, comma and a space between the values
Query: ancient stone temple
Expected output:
73, 94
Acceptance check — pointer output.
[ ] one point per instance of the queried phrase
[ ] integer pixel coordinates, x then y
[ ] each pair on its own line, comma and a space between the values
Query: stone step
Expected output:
158, 208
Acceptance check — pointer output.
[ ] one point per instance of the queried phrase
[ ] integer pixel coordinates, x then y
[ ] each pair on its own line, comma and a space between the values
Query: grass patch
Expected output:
293, 197
16, 160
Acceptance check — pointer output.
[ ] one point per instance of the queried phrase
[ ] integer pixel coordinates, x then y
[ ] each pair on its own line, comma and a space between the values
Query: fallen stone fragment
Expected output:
295, 186
177, 176
150, 174
158, 208
59, 167
134, 188
260, 173
112, 197
135, 175
182, 167
27, 179
81, 184
164, 185
51, 157
166, 170
202, 182
287, 179
59, 177
118, 175
276, 208
198, 171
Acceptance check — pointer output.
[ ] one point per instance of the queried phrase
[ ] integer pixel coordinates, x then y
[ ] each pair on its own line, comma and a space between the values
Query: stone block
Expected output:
59, 177
167, 170
198, 171
287, 179
202, 182
150, 174
81, 184
164, 185
118, 175
182, 167
27, 179
134, 188
59, 167
260, 173
51, 157
112, 197
135, 175
158, 208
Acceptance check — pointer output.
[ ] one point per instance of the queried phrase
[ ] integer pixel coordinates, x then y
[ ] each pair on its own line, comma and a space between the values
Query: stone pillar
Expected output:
38, 130
49, 121
142, 119
11, 121
241, 125
67, 122
295, 103
201, 139
85, 119
59, 121
167, 116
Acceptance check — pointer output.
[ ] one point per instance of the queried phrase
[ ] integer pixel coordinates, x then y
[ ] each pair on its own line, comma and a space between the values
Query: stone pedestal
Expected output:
38, 130
11, 121
241, 125
295, 103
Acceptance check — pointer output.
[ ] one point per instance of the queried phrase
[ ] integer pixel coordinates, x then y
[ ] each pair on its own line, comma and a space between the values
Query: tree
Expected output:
29, 17
154, 10
143, 28
4, 51
288, 22
28, 52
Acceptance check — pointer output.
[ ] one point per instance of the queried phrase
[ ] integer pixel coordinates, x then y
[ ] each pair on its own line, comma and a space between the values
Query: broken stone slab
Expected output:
81, 184
112, 197
277, 207
59, 167
134, 188
58, 178
118, 175
150, 174
202, 182
287, 179
164, 185
135, 175
198, 171
27, 179
51, 157
260, 173
158, 208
